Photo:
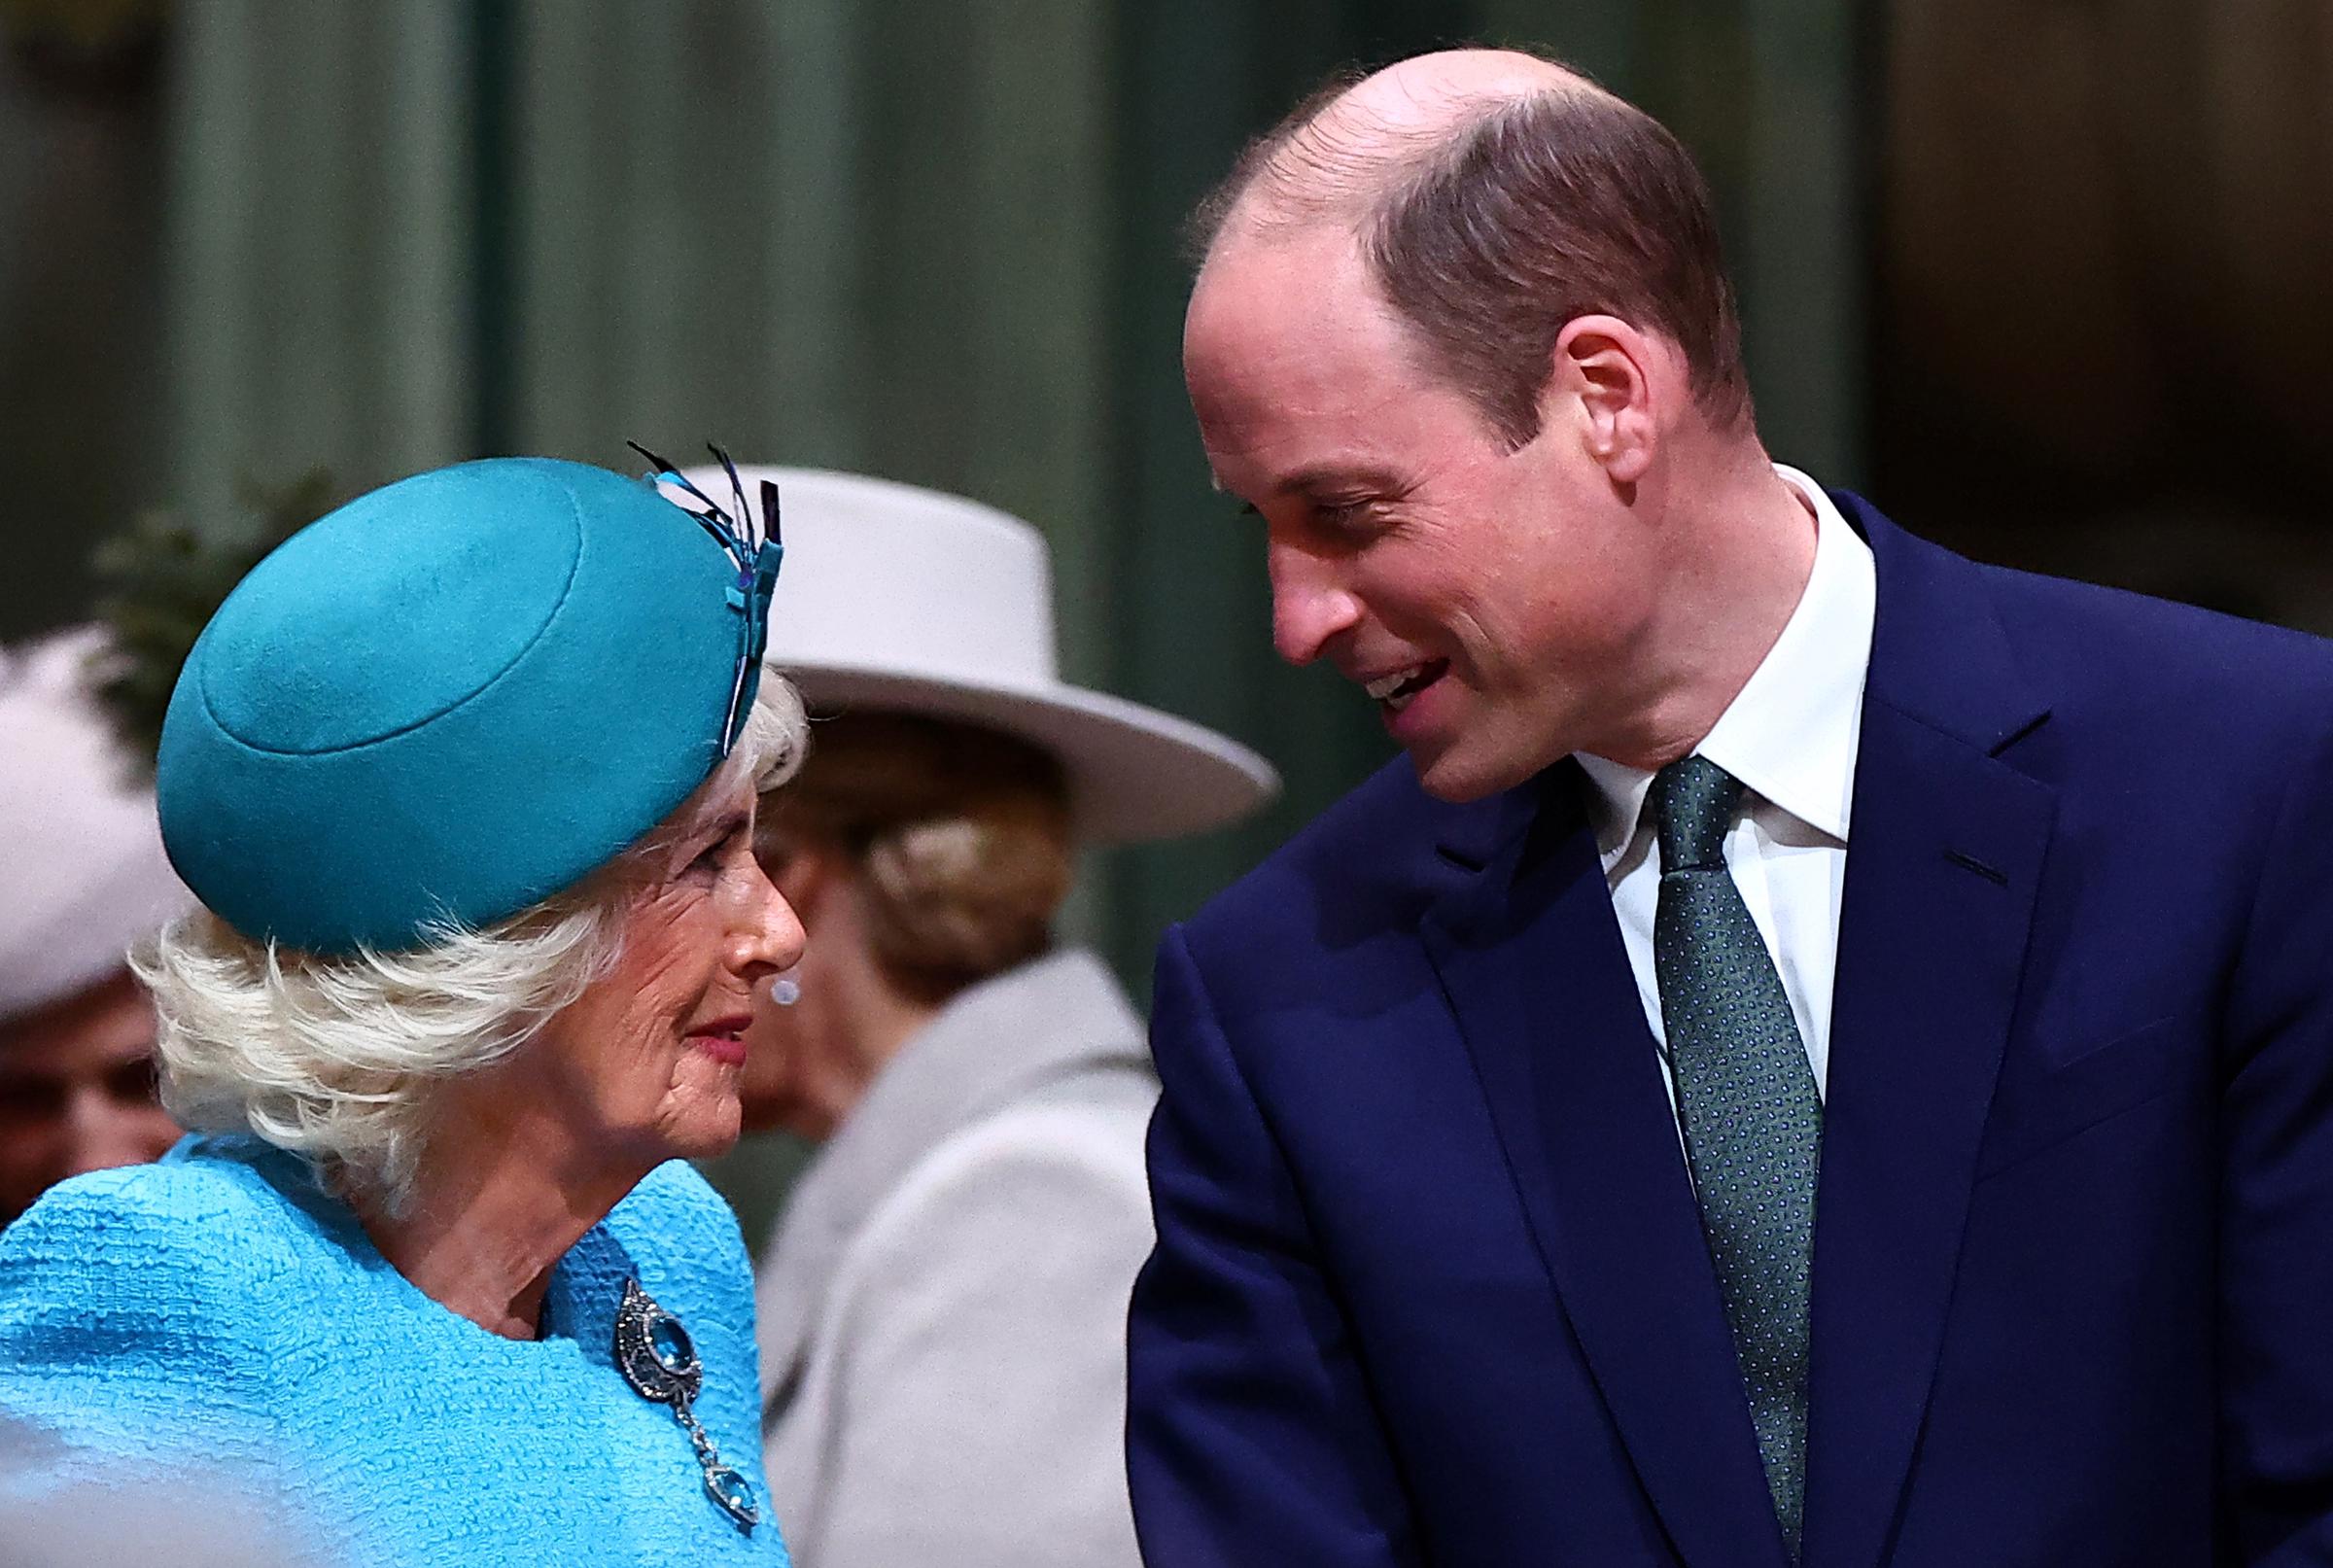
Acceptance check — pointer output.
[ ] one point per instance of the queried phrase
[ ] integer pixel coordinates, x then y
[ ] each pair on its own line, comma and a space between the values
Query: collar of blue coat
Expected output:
452, 698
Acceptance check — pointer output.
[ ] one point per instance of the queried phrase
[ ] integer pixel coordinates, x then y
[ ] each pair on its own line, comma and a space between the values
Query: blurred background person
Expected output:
464, 776
81, 877
943, 1309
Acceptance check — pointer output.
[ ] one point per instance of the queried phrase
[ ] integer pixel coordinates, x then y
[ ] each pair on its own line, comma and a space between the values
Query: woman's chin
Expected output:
702, 1121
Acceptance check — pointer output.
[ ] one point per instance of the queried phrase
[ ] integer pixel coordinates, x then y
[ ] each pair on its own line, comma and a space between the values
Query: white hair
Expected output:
332, 1057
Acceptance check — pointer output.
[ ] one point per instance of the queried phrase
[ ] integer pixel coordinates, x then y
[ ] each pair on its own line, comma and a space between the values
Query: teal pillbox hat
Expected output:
452, 698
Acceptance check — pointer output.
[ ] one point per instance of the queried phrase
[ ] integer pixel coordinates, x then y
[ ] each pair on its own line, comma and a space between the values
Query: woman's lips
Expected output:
722, 1039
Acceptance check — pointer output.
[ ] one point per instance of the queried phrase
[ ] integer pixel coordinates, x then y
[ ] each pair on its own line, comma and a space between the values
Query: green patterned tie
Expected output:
1746, 1100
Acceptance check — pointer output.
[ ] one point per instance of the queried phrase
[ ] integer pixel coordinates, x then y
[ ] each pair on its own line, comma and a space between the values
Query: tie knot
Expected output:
1693, 805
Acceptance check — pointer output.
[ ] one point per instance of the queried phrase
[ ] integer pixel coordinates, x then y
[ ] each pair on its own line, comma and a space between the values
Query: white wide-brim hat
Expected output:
82, 866
904, 600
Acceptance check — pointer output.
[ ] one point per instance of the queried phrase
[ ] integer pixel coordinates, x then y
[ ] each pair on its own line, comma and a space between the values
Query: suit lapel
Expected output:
1944, 856
1531, 960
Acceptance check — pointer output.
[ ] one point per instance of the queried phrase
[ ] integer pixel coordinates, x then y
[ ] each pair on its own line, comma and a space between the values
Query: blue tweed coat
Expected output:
218, 1311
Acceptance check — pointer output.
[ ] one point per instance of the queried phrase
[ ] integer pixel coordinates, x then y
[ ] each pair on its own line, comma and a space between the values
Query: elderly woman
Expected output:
944, 1311
463, 777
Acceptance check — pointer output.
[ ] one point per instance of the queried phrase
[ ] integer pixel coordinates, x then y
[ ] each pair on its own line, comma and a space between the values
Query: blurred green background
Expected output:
2046, 280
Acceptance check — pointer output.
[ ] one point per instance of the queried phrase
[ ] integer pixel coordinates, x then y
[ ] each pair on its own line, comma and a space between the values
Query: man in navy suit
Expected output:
1822, 1054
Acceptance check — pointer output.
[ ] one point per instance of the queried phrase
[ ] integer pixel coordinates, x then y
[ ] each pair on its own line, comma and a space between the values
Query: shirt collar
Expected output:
1791, 732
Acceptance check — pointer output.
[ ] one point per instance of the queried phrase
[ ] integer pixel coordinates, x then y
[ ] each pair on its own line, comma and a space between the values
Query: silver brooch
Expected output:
659, 1360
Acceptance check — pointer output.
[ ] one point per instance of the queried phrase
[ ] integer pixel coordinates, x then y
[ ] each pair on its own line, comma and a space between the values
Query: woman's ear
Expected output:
1615, 377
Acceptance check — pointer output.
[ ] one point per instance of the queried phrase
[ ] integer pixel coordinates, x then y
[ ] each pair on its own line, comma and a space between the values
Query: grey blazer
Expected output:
943, 1309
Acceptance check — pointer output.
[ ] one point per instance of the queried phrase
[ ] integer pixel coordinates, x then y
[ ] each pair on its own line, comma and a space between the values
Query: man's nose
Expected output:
1309, 606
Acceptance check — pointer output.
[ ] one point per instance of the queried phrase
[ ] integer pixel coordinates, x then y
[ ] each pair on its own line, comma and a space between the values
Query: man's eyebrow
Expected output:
1332, 476
1324, 478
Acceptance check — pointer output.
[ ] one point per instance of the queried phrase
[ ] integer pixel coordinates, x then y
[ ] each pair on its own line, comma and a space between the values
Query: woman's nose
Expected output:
767, 935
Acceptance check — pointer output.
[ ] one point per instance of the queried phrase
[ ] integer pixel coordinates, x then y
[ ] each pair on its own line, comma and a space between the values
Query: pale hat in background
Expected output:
82, 869
905, 600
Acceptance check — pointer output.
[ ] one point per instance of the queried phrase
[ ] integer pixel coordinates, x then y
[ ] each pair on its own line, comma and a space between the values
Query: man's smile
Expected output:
1394, 690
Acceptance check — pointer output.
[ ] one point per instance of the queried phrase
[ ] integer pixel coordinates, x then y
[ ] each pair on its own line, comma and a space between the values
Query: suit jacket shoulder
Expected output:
2100, 694
1372, 863
2119, 659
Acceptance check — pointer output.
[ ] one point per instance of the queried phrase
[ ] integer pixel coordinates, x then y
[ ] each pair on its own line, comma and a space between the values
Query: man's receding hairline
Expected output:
1484, 209
1324, 173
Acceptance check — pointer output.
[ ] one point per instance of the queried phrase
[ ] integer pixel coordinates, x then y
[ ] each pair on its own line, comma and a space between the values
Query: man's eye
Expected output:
1343, 513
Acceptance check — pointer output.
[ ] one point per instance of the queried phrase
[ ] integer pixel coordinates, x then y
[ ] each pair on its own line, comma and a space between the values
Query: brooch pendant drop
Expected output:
659, 1360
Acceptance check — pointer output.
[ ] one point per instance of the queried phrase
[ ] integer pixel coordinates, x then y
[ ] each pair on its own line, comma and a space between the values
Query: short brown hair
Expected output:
960, 837
1535, 211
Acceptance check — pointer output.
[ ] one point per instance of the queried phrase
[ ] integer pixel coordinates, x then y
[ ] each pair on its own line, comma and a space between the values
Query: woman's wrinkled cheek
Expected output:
700, 1113
668, 953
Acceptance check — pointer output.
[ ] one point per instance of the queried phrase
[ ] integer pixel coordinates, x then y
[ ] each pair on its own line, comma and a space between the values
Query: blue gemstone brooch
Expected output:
753, 547
658, 1359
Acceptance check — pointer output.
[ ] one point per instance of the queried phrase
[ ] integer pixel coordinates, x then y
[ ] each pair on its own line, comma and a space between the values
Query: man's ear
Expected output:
1612, 375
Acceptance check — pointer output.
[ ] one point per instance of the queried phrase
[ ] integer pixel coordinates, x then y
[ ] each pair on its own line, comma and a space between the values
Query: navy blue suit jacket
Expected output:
1430, 1285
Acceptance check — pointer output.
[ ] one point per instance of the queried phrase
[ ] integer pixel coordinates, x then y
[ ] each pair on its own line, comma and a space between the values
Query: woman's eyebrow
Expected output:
728, 824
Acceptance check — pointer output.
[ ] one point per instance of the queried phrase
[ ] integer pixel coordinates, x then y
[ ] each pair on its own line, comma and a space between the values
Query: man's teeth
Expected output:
1385, 686
1395, 691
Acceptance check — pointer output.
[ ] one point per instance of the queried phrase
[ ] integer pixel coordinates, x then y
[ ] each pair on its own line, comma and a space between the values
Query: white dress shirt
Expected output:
1790, 736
